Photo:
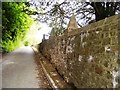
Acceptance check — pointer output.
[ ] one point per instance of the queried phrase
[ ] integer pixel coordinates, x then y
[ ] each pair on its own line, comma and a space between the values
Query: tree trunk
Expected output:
102, 11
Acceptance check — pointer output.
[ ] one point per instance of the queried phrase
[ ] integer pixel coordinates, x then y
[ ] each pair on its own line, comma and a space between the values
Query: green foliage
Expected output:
57, 31
15, 24
26, 43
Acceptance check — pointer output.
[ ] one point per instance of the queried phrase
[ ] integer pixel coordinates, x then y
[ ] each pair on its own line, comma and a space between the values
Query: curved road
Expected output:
19, 69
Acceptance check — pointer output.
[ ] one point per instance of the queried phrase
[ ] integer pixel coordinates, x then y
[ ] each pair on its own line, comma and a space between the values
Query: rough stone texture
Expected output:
87, 57
72, 24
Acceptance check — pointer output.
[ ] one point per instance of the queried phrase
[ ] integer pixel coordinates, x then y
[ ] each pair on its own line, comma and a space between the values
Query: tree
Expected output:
15, 24
85, 12
104, 9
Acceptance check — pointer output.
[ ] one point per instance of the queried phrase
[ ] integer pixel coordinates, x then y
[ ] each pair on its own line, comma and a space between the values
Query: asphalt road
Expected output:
19, 69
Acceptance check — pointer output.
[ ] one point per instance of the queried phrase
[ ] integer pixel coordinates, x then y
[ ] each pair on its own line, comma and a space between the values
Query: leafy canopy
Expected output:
58, 12
15, 24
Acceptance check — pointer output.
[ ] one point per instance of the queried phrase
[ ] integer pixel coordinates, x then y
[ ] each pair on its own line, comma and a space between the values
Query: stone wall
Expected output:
87, 57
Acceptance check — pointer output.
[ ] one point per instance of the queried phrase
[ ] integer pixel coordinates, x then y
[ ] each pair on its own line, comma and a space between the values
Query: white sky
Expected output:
45, 29
35, 34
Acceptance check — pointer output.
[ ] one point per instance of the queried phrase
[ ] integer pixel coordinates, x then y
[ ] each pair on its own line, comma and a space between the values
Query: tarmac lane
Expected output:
19, 69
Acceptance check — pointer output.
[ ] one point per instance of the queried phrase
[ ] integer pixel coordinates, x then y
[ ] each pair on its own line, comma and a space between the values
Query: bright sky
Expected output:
35, 34
45, 29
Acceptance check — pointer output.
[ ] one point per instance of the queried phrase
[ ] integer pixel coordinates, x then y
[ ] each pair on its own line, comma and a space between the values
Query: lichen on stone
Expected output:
90, 58
114, 82
69, 49
107, 48
80, 58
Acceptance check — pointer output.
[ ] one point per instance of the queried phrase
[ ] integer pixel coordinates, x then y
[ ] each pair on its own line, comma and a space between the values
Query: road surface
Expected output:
19, 69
